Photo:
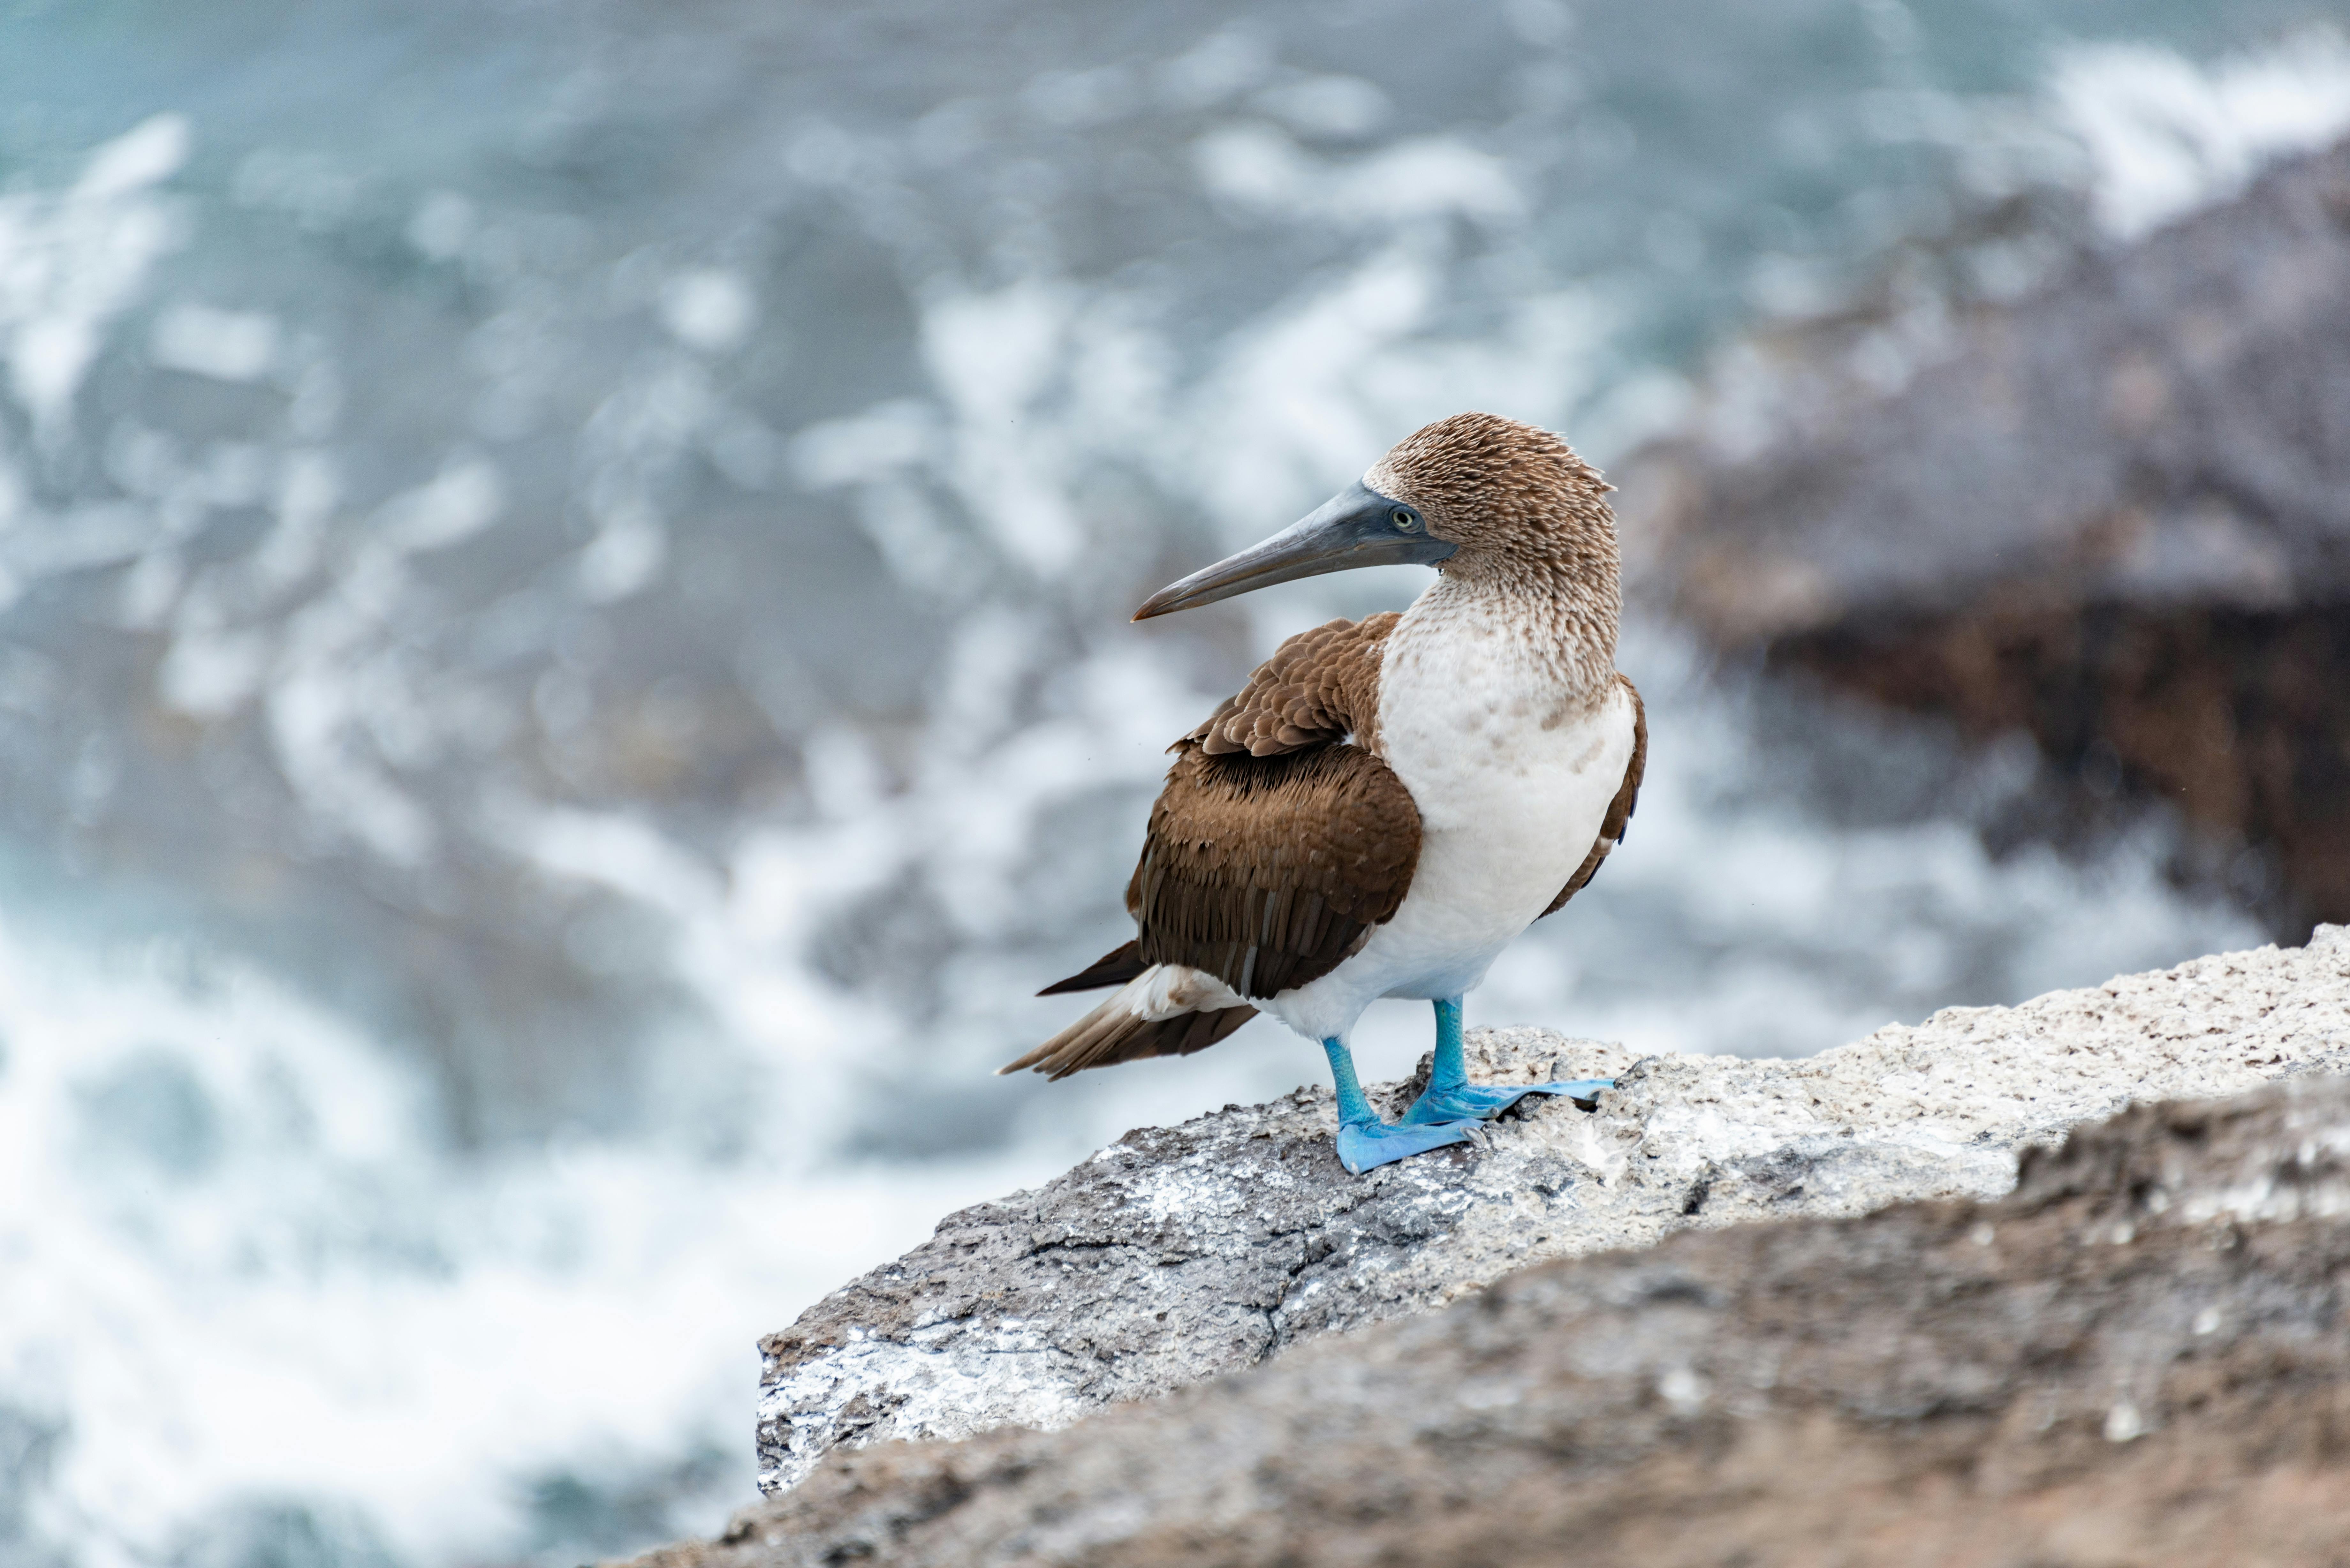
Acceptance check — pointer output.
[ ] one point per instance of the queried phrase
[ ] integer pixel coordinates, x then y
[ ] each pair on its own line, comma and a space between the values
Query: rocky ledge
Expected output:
2137, 1356
1182, 1253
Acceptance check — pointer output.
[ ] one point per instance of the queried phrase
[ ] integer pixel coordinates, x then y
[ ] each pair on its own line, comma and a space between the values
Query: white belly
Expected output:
1508, 808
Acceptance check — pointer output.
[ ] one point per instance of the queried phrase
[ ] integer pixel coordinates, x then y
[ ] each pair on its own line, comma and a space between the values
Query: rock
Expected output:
2139, 1355
2115, 514
1181, 1254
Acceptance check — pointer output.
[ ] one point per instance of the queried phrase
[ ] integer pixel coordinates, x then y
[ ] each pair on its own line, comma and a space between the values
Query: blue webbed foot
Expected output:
1363, 1145
1364, 1142
1439, 1105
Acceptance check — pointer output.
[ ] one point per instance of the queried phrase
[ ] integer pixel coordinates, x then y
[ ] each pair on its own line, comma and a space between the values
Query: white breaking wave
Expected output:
2166, 134
244, 1273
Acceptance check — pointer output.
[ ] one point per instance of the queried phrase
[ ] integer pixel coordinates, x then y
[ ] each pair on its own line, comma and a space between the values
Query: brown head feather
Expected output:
1501, 489
1533, 525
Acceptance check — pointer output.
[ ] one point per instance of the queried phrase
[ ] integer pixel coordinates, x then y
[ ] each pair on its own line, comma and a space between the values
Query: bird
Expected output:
1386, 802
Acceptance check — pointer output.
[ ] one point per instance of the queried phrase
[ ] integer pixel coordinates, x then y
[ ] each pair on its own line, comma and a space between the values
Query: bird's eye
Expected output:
1404, 521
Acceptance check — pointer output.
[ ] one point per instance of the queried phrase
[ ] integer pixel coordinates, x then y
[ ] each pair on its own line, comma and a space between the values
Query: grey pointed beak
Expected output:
1355, 527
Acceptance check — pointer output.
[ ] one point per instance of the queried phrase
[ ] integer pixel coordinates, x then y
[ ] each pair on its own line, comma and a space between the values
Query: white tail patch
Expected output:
1171, 990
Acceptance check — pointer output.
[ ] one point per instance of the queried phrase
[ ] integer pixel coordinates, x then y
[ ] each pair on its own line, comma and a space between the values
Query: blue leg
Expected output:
1451, 1097
1364, 1141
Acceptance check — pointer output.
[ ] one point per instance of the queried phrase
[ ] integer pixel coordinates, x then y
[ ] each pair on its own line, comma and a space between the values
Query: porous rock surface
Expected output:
2138, 1356
1181, 1254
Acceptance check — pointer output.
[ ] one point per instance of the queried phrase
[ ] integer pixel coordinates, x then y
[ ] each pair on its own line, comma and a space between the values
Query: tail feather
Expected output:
1114, 967
1162, 1011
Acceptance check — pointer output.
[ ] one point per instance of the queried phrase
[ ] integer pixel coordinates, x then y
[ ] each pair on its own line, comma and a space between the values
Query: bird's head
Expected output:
1475, 494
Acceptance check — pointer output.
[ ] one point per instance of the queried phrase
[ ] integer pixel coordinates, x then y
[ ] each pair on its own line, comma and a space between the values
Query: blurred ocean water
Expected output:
564, 671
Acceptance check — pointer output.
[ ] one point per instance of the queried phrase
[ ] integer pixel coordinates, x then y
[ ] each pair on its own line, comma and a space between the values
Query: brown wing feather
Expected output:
1272, 851
1267, 871
1318, 688
1115, 967
1619, 810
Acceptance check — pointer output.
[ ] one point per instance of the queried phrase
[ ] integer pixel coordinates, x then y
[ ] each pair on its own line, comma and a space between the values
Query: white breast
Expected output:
1513, 778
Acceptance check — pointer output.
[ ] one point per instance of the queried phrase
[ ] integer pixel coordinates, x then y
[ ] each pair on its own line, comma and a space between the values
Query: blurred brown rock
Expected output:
2115, 514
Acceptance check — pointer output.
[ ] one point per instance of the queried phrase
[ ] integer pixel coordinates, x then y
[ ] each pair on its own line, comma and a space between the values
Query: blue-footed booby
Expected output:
1388, 802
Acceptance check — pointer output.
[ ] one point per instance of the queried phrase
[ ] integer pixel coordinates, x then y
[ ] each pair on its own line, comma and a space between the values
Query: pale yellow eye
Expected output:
1405, 521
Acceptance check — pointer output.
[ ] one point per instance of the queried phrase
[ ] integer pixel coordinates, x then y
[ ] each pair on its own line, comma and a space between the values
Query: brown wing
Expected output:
1272, 851
1266, 871
1619, 810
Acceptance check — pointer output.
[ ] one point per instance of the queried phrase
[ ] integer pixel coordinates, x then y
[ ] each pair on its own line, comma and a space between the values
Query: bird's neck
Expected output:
1559, 624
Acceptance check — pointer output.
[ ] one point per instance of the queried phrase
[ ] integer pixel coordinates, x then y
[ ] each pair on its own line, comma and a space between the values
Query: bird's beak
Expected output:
1355, 527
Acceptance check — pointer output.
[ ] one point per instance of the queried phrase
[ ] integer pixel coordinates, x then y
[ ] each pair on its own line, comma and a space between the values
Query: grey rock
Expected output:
2114, 515
1178, 1254
2162, 423
2137, 1356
